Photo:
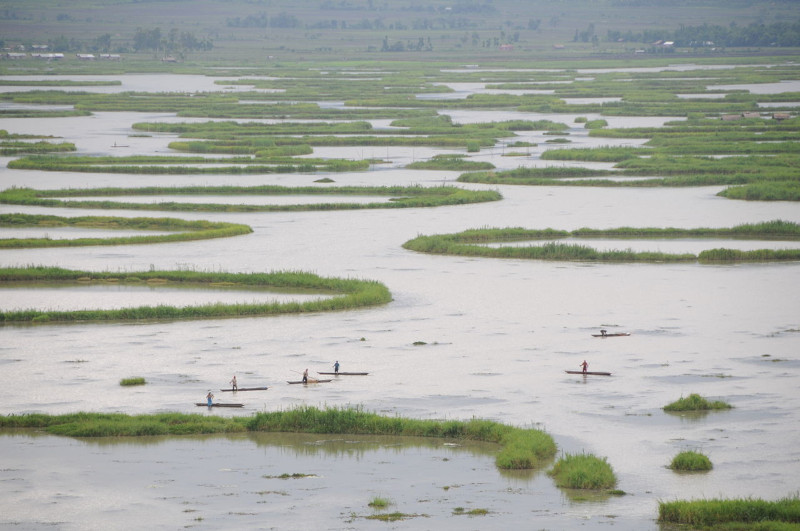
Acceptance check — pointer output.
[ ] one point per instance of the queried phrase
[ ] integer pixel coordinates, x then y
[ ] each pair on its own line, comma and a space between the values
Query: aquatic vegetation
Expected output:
689, 461
348, 294
583, 471
400, 197
771, 191
695, 402
473, 243
450, 162
471, 512
182, 230
134, 380
301, 419
16, 147
379, 503
748, 513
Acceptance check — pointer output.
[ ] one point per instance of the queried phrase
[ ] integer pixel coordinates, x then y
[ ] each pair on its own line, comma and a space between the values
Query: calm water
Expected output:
497, 336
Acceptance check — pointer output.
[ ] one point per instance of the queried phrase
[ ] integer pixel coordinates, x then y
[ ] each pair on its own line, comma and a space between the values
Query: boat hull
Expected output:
218, 405
621, 334
247, 389
592, 373
310, 381
344, 373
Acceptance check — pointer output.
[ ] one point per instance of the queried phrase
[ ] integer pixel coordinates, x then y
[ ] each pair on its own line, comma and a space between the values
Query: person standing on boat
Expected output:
210, 398
305, 376
584, 366
234, 385
603, 332
336, 367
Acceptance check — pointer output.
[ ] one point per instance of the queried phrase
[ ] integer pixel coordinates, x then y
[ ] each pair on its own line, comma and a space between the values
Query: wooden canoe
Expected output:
310, 381
594, 373
247, 389
340, 373
619, 334
218, 405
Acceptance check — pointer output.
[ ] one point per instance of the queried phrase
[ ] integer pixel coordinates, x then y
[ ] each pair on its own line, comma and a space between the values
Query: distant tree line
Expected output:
778, 34
285, 20
173, 42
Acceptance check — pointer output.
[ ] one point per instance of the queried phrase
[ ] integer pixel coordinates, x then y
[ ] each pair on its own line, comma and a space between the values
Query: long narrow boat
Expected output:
310, 381
618, 334
218, 405
340, 373
247, 389
594, 373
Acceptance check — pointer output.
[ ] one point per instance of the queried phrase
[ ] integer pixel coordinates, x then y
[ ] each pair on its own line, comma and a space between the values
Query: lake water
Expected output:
462, 338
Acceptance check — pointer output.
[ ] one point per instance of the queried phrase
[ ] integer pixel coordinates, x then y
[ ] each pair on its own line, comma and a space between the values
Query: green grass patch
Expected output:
740, 514
348, 294
689, 461
474, 242
135, 380
302, 419
182, 230
583, 471
695, 402
399, 197
379, 503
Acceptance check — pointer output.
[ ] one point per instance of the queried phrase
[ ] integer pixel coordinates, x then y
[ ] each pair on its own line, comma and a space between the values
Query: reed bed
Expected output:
690, 461
695, 402
349, 294
520, 448
749, 513
132, 381
472, 243
187, 230
400, 197
583, 471
771, 191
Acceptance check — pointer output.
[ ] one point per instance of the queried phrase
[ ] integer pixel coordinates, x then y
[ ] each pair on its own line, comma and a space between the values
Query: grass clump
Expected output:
379, 503
689, 461
583, 471
753, 514
135, 380
695, 402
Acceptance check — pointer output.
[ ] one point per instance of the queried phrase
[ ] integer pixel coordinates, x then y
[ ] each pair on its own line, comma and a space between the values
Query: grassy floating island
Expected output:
742, 514
399, 197
473, 243
520, 448
689, 461
695, 402
132, 381
348, 294
583, 471
182, 230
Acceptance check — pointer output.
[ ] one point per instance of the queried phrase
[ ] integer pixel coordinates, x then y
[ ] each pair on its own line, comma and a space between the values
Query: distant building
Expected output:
85, 56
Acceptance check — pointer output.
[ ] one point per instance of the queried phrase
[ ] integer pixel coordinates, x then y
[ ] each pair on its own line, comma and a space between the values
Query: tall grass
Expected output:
704, 513
583, 471
695, 402
689, 461
472, 243
188, 230
349, 294
529, 448
399, 197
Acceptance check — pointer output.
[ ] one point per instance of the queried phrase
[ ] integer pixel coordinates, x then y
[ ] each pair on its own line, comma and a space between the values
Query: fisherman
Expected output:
305, 376
584, 366
336, 367
603, 332
234, 385
210, 398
